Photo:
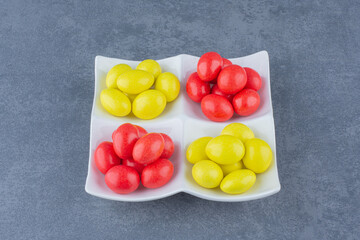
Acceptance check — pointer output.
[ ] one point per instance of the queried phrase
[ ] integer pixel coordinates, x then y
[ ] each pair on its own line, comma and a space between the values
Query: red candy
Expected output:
226, 62
253, 79
124, 139
157, 174
197, 89
148, 148
141, 131
105, 157
122, 179
216, 90
232, 79
209, 66
143, 154
229, 80
168, 146
131, 163
217, 108
246, 102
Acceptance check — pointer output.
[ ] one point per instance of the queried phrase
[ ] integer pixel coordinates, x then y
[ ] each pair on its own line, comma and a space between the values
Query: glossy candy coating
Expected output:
150, 66
254, 81
239, 130
169, 85
207, 174
209, 66
238, 181
157, 174
148, 148
114, 73
258, 155
169, 146
135, 81
196, 150
149, 104
124, 139
246, 102
225, 149
122, 179
115, 102
105, 157
217, 108
232, 79
196, 88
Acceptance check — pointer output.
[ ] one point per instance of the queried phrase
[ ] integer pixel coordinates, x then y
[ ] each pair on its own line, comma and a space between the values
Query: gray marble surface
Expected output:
47, 53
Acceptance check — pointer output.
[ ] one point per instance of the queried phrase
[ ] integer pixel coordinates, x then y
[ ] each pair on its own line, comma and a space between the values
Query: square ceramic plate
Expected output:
184, 122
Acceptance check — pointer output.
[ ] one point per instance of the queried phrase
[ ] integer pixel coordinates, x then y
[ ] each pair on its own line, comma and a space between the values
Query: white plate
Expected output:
184, 122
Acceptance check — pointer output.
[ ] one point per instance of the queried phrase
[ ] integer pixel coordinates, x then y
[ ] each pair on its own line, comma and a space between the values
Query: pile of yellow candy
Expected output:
229, 160
130, 90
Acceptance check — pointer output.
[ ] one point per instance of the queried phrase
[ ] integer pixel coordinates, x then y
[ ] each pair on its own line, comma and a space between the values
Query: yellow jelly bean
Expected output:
131, 96
239, 130
258, 155
238, 181
225, 149
150, 66
114, 73
135, 81
149, 104
115, 102
196, 150
228, 168
207, 174
169, 85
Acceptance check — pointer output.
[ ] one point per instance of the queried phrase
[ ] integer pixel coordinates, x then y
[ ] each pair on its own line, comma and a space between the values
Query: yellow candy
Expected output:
238, 130
114, 73
225, 149
207, 174
115, 102
228, 168
131, 96
196, 150
150, 66
238, 181
169, 85
135, 81
258, 155
149, 104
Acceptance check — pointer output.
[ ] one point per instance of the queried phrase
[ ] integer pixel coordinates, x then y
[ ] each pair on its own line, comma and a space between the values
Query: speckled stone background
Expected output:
47, 53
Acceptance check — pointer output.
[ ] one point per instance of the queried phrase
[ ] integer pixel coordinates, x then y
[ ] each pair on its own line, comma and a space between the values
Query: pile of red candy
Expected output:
134, 156
234, 88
